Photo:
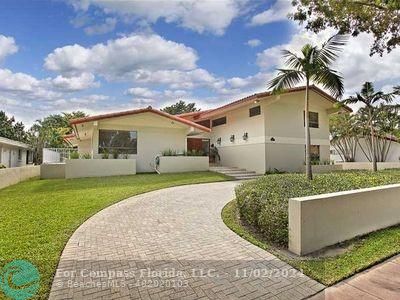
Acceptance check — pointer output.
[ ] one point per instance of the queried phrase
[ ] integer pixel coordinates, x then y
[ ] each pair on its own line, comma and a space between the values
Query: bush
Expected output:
86, 156
263, 203
2, 166
169, 152
74, 155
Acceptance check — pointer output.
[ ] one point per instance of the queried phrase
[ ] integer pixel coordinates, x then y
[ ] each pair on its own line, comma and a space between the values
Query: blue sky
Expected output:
102, 56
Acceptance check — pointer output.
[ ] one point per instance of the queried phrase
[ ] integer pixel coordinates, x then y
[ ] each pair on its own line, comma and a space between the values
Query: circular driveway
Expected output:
172, 244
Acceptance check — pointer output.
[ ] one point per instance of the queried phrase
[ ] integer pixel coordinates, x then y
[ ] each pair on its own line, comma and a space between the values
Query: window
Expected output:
314, 151
19, 154
255, 111
313, 119
205, 123
124, 142
219, 121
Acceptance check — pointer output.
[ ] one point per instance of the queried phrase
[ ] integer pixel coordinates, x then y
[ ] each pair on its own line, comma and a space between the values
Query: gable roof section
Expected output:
139, 111
8, 142
257, 96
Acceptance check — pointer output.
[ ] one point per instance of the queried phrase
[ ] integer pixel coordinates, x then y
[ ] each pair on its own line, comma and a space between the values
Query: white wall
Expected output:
12, 176
77, 168
323, 220
175, 164
393, 155
9, 156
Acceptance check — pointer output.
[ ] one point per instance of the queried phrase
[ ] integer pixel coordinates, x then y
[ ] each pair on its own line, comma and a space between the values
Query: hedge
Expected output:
263, 203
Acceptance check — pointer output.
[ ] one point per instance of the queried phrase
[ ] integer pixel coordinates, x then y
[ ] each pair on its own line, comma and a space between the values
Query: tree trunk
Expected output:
374, 162
309, 173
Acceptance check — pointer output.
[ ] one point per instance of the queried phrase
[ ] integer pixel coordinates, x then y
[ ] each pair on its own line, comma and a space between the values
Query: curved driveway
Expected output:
172, 244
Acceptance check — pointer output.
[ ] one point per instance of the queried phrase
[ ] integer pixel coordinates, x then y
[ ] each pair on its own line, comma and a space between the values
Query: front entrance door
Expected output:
198, 145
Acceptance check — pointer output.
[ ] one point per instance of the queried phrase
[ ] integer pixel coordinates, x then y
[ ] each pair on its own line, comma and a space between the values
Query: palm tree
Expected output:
370, 99
313, 65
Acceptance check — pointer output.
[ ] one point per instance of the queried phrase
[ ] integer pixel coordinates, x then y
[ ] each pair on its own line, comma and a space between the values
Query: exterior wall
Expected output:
175, 164
393, 155
52, 171
77, 168
276, 137
12, 161
368, 165
323, 220
319, 169
15, 175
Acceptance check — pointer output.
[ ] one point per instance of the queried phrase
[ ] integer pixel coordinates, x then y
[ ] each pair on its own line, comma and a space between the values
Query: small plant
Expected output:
169, 152
125, 156
74, 155
115, 154
105, 154
2, 166
86, 156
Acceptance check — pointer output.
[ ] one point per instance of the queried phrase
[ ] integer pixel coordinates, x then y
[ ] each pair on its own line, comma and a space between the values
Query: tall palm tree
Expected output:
313, 65
370, 99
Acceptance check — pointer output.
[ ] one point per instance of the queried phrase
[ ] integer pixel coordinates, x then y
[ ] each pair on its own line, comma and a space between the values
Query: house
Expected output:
259, 133
14, 153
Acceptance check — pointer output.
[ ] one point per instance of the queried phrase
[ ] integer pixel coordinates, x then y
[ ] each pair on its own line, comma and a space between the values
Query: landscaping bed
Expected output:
260, 215
39, 216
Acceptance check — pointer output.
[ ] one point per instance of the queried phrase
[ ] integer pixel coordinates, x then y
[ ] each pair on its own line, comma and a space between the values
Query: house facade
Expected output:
13, 153
260, 133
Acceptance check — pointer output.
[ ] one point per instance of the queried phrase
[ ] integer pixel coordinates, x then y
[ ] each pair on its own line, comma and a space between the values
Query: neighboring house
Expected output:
14, 153
259, 133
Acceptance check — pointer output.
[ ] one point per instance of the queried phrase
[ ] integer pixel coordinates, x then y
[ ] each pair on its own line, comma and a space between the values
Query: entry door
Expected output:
198, 145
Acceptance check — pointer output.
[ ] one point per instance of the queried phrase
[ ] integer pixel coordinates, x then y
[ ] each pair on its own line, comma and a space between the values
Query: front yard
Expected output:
260, 215
38, 216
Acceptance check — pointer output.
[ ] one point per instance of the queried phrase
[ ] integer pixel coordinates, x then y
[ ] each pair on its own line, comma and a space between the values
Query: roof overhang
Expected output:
8, 142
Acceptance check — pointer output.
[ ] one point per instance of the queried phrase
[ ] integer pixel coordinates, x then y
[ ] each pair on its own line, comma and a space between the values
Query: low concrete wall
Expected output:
368, 165
319, 169
323, 220
175, 164
76, 168
52, 171
12, 176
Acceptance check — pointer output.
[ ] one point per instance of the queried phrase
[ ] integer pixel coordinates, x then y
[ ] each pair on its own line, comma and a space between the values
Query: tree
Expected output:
379, 17
11, 130
345, 132
180, 107
313, 65
370, 99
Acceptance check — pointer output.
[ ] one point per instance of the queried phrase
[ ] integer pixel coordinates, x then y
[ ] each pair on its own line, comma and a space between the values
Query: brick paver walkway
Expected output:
172, 244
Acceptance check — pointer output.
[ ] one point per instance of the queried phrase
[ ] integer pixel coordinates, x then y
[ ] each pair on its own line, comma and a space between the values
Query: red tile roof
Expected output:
138, 111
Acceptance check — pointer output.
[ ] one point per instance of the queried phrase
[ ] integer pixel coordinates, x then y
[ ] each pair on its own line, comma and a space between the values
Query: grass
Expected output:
363, 252
38, 216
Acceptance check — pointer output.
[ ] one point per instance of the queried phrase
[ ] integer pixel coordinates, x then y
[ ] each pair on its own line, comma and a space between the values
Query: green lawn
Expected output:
362, 252
37, 217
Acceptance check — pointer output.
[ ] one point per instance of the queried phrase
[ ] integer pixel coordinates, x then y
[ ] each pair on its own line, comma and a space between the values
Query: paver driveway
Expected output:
172, 244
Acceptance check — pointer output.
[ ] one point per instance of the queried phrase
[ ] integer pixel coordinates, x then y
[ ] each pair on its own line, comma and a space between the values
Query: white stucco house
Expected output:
260, 132
14, 153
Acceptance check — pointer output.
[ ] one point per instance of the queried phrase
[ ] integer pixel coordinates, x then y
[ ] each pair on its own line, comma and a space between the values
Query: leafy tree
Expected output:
379, 17
371, 99
345, 132
180, 107
11, 130
313, 65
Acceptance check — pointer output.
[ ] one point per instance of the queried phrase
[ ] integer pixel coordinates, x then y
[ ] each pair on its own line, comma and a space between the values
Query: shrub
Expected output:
169, 152
115, 154
263, 203
86, 156
74, 155
105, 154
2, 166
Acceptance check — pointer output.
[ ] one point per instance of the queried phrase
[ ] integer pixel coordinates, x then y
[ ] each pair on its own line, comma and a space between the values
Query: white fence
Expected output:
56, 155
323, 220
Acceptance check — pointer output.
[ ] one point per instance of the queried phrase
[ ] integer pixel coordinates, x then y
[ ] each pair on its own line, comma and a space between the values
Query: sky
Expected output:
103, 56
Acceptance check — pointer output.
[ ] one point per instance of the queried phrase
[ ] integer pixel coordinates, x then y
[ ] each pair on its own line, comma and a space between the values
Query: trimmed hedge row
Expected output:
263, 203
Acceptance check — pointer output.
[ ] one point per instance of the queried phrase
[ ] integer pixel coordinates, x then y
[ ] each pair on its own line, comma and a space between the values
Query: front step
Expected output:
236, 173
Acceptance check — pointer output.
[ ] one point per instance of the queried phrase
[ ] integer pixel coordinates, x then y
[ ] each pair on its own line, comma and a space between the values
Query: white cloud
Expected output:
120, 58
200, 16
107, 26
141, 92
17, 82
277, 12
75, 83
253, 43
7, 46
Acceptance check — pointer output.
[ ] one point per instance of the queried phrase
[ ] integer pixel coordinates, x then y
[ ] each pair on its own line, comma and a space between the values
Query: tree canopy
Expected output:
11, 129
180, 107
379, 17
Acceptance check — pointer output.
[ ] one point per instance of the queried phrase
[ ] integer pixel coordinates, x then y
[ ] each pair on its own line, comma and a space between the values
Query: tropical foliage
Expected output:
11, 129
180, 107
381, 18
312, 65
